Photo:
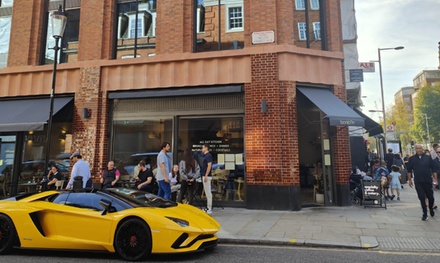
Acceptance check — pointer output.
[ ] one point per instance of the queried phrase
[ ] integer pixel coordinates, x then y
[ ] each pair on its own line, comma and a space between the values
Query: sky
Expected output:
414, 24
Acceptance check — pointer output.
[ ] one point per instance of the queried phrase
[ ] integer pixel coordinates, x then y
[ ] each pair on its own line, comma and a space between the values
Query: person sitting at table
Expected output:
145, 179
109, 176
189, 170
48, 182
174, 178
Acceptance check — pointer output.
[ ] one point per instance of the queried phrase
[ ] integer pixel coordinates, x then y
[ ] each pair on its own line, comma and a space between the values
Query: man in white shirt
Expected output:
80, 168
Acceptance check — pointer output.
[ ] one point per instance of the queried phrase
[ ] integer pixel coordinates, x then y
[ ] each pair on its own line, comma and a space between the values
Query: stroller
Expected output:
356, 188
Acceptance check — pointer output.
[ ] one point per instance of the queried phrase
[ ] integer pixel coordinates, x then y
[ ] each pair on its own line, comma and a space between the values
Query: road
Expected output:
228, 253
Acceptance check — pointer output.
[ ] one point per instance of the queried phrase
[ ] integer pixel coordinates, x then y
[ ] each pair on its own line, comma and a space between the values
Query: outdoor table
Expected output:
30, 187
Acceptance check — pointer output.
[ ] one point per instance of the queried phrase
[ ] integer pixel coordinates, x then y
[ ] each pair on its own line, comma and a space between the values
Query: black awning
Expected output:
167, 92
28, 114
338, 113
373, 128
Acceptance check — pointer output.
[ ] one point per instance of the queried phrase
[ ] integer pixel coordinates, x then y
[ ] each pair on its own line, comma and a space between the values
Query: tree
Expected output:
399, 115
427, 102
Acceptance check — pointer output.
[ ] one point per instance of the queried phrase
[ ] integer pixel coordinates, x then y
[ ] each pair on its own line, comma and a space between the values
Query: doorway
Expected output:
316, 169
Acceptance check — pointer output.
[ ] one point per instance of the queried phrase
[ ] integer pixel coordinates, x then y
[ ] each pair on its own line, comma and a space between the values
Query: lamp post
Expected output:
381, 89
59, 20
427, 130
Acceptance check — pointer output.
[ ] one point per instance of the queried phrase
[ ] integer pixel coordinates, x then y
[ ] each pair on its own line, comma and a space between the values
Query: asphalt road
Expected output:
233, 253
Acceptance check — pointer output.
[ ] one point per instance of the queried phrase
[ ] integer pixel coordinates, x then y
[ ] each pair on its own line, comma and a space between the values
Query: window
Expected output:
302, 31
406, 99
69, 42
5, 3
146, 24
235, 18
314, 4
317, 30
5, 30
301, 4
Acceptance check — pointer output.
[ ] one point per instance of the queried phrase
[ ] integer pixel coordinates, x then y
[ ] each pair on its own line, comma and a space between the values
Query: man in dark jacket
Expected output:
422, 168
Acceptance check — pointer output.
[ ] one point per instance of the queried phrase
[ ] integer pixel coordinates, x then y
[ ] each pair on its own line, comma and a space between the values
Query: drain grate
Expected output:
408, 244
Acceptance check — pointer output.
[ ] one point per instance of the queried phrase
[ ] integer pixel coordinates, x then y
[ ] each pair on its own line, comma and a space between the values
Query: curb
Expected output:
366, 242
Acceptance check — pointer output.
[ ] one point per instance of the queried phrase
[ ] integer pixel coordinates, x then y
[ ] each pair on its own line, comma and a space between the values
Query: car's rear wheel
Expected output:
133, 240
7, 234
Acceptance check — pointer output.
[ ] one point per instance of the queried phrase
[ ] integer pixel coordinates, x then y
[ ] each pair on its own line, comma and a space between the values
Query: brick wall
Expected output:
271, 137
90, 135
174, 26
341, 145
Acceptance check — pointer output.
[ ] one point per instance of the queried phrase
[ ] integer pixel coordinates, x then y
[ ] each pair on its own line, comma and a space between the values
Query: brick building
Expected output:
260, 81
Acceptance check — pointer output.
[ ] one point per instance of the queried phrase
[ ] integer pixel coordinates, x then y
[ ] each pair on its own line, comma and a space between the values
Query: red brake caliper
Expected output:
133, 241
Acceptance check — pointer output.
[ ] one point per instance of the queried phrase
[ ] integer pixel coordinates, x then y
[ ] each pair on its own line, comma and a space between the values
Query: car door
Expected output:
80, 219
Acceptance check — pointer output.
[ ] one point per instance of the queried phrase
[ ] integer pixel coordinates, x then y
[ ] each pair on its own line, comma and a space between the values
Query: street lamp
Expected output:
427, 130
59, 20
381, 88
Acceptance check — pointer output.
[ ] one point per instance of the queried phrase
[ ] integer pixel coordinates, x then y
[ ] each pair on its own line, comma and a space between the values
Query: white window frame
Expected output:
235, 29
314, 4
302, 32
199, 10
317, 30
300, 4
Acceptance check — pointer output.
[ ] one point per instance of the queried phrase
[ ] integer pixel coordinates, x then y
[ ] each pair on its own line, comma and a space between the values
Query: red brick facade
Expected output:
269, 72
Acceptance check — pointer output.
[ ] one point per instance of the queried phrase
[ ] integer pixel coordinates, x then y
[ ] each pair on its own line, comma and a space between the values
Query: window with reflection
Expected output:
135, 140
224, 135
135, 28
69, 41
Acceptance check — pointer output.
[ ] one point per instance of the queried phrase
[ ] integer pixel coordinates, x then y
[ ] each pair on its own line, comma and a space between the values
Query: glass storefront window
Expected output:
225, 138
136, 140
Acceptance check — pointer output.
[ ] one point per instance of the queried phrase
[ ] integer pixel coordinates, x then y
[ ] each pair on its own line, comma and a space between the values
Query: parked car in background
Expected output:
150, 159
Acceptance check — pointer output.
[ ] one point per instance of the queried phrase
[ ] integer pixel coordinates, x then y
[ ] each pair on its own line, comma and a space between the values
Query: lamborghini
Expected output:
130, 223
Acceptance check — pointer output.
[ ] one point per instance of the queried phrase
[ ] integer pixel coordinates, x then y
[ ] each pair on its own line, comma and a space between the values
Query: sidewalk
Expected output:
399, 227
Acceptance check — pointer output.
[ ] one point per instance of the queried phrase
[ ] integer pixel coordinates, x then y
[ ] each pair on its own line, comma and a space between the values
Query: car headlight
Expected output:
180, 222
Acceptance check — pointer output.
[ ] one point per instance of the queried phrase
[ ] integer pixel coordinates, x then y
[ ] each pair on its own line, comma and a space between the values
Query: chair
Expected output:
4, 184
240, 184
59, 184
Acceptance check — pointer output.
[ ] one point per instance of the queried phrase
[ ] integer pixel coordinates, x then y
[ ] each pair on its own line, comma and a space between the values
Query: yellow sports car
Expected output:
131, 223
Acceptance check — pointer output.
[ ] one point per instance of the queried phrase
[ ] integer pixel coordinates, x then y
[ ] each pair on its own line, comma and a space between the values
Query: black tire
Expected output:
133, 240
7, 234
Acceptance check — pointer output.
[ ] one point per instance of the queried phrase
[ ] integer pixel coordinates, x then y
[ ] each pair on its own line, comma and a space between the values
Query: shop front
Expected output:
23, 139
141, 121
320, 116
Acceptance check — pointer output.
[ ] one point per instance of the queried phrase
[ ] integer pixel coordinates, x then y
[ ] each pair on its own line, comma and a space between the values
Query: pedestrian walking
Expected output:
422, 168
207, 176
163, 169
395, 181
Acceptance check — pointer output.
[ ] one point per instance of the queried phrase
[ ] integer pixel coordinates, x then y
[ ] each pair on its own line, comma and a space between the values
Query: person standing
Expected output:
389, 158
163, 169
207, 176
434, 151
189, 173
110, 176
80, 168
422, 168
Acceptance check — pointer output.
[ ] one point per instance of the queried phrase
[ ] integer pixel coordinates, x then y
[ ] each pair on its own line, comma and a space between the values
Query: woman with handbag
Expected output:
189, 172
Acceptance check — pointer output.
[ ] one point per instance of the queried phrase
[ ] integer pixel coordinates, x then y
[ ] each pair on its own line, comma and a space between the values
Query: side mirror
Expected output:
107, 205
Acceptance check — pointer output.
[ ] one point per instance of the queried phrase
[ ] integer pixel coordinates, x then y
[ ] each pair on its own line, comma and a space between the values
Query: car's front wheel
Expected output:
7, 234
133, 240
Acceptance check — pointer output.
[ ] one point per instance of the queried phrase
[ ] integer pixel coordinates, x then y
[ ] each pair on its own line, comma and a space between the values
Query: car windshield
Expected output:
140, 198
